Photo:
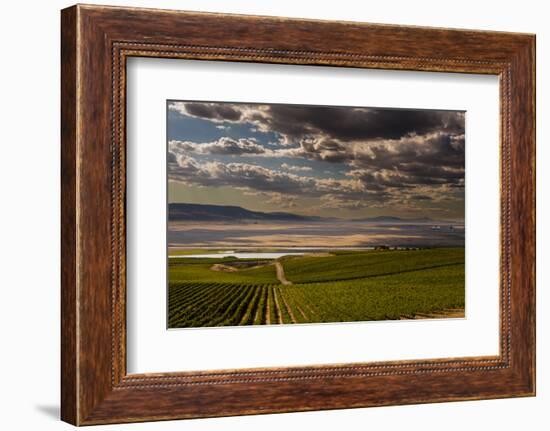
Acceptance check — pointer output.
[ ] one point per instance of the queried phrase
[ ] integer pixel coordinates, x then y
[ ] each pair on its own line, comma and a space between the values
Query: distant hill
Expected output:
200, 212
232, 213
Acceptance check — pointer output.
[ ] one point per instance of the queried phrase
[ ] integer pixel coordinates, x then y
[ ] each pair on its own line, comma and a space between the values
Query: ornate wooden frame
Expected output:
95, 42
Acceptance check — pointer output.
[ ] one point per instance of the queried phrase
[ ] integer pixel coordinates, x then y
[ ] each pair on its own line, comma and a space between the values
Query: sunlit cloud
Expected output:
352, 159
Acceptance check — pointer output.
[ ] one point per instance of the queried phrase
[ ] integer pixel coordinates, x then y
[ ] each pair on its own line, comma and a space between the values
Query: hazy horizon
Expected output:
457, 220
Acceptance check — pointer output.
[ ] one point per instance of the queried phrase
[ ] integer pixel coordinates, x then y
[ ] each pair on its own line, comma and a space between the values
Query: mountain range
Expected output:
231, 213
200, 212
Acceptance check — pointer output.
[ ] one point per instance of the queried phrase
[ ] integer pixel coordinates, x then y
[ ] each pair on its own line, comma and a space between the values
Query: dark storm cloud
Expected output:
213, 111
408, 162
386, 156
421, 198
436, 150
437, 159
345, 124
351, 124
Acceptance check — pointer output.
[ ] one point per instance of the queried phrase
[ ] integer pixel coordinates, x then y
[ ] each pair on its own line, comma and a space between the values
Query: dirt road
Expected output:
281, 274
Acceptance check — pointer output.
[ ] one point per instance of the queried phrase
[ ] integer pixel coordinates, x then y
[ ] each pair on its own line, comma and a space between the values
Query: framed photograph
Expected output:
294, 214
264, 215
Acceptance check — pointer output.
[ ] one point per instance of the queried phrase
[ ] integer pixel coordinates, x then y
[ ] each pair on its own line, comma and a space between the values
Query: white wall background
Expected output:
29, 216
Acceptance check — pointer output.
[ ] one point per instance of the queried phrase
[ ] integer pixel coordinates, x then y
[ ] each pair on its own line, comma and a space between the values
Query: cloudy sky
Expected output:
317, 160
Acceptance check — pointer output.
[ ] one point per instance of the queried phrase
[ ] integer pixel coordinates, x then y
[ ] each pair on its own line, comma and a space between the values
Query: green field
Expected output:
343, 287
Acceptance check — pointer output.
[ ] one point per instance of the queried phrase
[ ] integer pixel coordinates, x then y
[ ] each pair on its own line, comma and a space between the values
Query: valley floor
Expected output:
340, 286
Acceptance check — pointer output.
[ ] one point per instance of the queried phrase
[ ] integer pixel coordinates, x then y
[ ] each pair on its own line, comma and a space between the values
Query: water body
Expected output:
340, 234
240, 255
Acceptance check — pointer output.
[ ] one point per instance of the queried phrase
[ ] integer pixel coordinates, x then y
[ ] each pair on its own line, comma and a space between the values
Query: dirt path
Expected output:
281, 273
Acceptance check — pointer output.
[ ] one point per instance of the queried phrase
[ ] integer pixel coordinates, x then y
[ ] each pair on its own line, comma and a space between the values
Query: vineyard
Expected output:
341, 287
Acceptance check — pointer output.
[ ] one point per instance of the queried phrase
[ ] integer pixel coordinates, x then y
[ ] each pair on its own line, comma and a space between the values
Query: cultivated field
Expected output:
343, 286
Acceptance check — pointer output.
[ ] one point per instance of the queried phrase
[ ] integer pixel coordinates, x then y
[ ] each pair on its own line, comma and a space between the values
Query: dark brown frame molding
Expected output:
95, 43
